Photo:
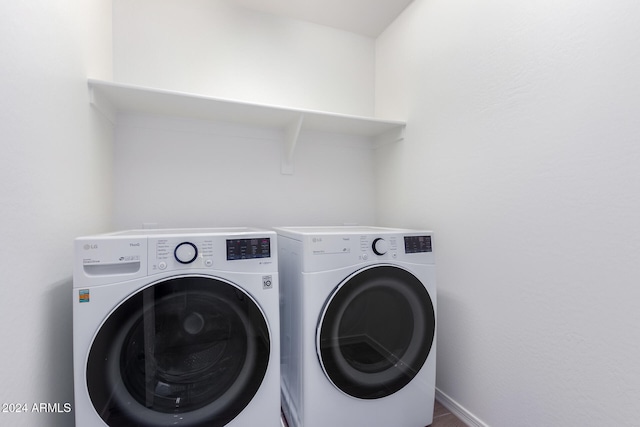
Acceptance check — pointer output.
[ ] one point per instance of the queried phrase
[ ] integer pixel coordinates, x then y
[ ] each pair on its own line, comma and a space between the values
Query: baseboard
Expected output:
459, 411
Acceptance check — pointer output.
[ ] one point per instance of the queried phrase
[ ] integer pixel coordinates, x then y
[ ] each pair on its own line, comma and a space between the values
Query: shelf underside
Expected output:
116, 98
113, 99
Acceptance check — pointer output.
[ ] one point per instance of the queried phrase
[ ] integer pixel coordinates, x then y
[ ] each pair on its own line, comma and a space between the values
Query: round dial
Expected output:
380, 246
186, 252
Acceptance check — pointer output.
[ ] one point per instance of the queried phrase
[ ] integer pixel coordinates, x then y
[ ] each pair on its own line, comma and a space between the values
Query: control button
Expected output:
208, 262
365, 257
162, 265
186, 252
380, 246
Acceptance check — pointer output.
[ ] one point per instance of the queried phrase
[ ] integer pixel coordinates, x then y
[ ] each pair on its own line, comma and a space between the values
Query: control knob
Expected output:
185, 252
380, 246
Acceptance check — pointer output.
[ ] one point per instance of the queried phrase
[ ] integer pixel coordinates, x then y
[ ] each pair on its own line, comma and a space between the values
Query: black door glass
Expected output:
376, 332
189, 351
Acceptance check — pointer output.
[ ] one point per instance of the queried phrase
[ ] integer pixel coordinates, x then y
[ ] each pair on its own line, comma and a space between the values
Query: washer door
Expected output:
376, 332
186, 351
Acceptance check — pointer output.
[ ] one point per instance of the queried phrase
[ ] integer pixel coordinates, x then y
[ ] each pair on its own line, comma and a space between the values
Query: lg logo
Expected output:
90, 246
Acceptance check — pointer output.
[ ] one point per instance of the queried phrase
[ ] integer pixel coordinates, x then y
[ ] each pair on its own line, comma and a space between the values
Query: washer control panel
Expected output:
175, 252
136, 253
167, 253
252, 248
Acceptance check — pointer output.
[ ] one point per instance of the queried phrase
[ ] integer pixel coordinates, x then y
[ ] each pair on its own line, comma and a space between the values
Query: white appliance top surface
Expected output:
186, 231
342, 230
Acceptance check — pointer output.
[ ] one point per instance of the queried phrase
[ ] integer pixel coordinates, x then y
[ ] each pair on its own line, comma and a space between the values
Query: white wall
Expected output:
55, 170
188, 173
216, 48
522, 152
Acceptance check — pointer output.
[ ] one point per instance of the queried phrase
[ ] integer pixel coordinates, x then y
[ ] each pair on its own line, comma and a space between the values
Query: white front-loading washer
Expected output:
177, 328
358, 325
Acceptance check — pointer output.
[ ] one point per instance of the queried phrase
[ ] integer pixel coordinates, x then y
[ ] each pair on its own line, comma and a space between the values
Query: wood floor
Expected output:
442, 417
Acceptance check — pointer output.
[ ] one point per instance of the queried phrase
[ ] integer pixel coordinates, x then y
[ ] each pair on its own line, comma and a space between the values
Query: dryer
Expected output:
176, 328
358, 326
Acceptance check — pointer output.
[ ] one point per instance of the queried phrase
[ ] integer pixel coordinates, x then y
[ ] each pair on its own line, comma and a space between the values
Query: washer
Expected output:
357, 326
176, 328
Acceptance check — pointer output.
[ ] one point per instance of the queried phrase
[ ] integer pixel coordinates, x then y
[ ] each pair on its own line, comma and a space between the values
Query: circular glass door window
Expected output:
376, 332
187, 351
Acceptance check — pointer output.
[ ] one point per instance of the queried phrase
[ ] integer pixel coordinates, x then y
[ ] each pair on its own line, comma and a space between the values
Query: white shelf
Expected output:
115, 98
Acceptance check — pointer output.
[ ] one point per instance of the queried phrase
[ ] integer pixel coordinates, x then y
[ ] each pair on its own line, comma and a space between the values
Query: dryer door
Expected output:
376, 332
187, 351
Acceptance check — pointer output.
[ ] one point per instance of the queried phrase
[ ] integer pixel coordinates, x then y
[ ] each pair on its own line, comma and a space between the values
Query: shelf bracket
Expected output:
102, 104
291, 134
392, 136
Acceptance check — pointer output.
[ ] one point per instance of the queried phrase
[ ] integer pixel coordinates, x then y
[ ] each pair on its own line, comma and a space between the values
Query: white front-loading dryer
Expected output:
176, 328
358, 325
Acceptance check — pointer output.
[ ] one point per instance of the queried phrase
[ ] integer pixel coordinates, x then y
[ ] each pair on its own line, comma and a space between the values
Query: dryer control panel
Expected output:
322, 251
